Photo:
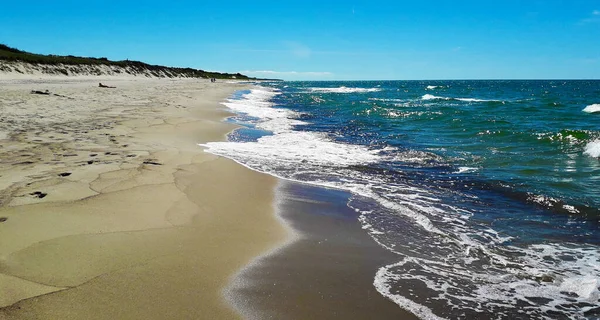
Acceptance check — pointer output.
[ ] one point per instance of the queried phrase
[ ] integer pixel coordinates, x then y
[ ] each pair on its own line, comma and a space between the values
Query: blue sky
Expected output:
323, 40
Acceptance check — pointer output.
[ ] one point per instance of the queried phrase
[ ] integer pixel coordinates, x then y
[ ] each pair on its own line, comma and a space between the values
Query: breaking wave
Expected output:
592, 108
343, 89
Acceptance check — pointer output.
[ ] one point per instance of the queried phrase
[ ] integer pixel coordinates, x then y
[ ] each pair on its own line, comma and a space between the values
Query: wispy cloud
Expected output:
325, 53
301, 73
289, 48
589, 60
298, 49
288, 74
593, 18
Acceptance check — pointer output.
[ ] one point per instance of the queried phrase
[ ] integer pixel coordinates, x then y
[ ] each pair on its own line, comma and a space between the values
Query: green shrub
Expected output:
11, 54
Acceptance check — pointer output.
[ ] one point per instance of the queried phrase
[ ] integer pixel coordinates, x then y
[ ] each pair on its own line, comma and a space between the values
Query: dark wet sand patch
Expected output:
327, 274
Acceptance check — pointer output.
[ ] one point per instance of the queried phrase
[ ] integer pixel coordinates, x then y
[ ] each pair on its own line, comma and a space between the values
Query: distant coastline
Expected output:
17, 61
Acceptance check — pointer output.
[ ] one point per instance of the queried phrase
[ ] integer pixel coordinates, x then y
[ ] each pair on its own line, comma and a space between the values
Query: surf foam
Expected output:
343, 89
455, 264
592, 149
432, 97
548, 282
592, 108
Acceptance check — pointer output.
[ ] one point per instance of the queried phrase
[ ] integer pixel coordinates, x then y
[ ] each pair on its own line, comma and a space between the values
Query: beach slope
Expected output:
108, 207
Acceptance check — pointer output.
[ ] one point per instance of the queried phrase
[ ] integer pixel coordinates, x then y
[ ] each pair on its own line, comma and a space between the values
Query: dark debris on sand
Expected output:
39, 194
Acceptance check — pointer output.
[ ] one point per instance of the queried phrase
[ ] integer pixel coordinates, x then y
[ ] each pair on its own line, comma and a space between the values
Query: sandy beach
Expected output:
110, 209
326, 272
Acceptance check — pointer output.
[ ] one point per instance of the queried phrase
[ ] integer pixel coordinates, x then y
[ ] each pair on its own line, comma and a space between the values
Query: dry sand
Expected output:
110, 210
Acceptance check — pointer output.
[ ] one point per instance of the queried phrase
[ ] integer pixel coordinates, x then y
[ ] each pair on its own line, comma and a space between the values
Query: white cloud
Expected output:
300, 73
589, 60
288, 74
292, 48
298, 49
593, 18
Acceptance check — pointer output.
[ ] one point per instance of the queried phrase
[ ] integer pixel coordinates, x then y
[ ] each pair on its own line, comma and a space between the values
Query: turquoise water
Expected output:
531, 134
487, 190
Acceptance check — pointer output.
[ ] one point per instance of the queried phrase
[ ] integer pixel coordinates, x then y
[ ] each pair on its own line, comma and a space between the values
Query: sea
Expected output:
488, 192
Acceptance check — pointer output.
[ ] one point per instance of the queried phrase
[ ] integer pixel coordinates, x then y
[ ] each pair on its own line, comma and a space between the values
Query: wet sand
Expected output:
327, 272
110, 210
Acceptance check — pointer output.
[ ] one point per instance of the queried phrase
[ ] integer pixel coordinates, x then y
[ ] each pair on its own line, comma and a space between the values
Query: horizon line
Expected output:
482, 79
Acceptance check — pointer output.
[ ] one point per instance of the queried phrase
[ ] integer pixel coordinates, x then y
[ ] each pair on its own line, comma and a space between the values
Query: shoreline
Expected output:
135, 220
325, 271
451, 250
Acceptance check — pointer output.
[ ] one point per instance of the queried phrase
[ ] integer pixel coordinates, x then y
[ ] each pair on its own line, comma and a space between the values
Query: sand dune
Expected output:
29, 71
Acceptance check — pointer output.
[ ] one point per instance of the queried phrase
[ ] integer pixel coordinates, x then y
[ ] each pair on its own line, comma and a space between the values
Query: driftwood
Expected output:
47, 93
40, 92
60, 95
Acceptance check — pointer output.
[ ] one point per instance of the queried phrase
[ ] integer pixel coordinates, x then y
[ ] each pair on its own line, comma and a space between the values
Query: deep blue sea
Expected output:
488, 191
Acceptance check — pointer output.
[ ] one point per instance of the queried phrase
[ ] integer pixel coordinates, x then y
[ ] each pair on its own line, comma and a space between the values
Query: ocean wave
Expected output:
447, 261
343, 89
432, 97
286, 149
551, 203
592, 149
548, 281
466, 170
256, 104
478, 271
433, 87
388, 100
572, 137
592, 108
285, 145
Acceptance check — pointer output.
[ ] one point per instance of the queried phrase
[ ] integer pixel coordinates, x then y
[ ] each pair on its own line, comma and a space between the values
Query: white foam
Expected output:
388, 100
570, 208
285, 145
585, 287
382, 278
430, 87
592, 149
295, 155
568, 287
344, 90
501, 283
473, 100
413, 156
542, 200
432, 97
592, 108
257, 104
295, 147
466, 169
